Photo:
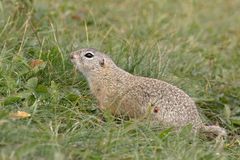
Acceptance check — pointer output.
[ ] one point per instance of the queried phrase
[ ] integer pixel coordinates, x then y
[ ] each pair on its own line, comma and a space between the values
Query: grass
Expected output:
194, 45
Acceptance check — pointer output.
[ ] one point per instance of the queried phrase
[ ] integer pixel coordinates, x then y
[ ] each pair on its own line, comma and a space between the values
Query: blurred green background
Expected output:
194, 45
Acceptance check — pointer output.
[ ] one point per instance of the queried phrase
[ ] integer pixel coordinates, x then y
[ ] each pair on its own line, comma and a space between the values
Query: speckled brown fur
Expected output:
125, 94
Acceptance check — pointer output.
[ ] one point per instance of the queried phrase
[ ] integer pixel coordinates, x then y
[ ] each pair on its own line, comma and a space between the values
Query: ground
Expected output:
194, 45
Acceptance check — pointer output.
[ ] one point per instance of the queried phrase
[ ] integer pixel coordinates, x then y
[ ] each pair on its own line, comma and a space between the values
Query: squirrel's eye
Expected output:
89, 55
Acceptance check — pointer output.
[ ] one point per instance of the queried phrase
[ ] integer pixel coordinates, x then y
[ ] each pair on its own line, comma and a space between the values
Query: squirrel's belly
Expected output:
124, 109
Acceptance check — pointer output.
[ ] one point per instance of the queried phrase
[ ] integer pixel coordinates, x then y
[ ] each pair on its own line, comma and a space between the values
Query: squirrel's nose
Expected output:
72, 56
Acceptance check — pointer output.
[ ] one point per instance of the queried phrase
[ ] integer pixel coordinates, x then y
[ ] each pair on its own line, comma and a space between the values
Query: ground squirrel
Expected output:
125, 94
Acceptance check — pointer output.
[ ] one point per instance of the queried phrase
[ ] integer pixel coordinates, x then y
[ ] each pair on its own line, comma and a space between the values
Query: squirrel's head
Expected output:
89, 61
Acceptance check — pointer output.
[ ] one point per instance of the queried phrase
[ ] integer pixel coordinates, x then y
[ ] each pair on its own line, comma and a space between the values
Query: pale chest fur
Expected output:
112, 94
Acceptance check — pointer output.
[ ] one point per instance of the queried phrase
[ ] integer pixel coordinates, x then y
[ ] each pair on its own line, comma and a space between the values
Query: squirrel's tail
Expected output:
216, 130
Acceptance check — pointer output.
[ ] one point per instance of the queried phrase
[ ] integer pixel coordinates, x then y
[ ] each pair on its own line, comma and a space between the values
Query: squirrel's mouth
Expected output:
73, 61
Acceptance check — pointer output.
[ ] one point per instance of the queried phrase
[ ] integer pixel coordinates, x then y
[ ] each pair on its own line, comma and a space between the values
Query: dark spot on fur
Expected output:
102, 63
156, 109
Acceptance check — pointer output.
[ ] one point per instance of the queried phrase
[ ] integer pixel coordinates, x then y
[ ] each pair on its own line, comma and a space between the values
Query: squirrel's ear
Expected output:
102, 62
